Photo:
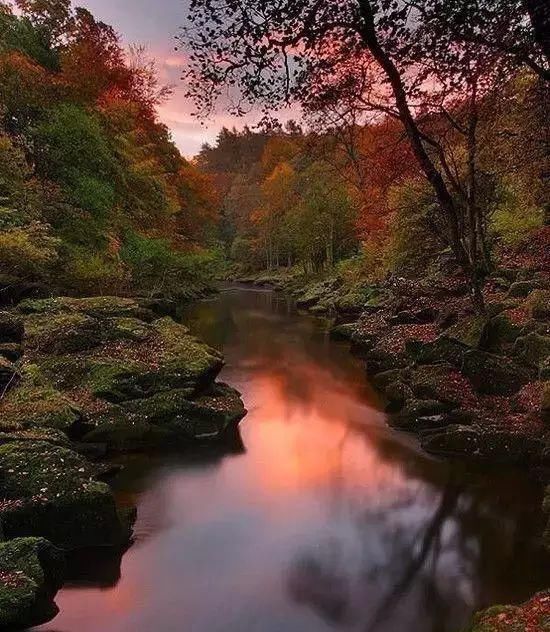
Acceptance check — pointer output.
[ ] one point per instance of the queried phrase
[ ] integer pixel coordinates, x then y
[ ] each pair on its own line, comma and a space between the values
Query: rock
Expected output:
482, 444
533, 349
421, 316
343, 331
539, 303
11, 351
317, 292
501, 333
52, 492
494, 374
442, 383
31, 572
396, 394
170, 419
96, 307
424, 408
468, 331
11, 327
30, 407
351, 302
521, 289
441, 350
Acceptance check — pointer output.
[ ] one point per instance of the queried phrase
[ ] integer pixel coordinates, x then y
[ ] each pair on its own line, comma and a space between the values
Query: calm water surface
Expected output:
325, 519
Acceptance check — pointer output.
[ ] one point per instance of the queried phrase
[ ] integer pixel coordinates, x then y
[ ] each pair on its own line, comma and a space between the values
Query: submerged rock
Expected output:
31, 573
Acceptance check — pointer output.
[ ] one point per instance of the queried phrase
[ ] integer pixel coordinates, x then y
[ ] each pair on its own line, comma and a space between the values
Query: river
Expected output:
324, 519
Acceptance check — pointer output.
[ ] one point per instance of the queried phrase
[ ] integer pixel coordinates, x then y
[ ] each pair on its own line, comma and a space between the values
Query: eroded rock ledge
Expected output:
80, 378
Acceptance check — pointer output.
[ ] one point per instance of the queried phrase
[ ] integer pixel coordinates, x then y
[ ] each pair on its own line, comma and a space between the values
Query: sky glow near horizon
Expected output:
137, 23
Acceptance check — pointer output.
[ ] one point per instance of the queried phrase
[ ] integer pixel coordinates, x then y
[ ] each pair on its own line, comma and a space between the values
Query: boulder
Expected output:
442, 350
343, 331
52, 492
170, 419
11, 327
441, 382
501, 332
539, 304
521, 289
31, 572
96, 307
533, 349
494, 374
493, 446
469, 332
11, 351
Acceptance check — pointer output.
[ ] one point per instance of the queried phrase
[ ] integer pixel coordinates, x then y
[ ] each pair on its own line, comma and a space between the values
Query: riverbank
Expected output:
470, 387
81, 379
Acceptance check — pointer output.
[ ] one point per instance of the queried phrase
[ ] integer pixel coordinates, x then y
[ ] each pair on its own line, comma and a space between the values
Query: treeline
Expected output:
466, 84
343, 190
94, 195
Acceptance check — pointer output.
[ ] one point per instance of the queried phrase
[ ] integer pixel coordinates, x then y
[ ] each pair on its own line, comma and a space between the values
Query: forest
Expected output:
315, 356
95, 197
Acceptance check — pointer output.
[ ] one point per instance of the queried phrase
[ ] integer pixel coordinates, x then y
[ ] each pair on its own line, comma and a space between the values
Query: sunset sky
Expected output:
155, 25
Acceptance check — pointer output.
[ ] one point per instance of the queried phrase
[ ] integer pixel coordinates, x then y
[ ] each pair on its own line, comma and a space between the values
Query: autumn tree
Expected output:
275, 52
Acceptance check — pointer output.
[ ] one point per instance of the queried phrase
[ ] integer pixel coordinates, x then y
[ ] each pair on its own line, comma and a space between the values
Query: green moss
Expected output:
61, 333
50, 491
31, 572
469, 331
29, 406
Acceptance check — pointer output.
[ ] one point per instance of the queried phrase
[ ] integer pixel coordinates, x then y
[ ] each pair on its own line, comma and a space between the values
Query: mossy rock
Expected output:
468, 331
492, 446
169, 419
501, 332
11, 327
96, 307
533, 349
539, 304
30, 407
440, 350
52, 492
49, 435
439, 382
60, 333
521, 289
343, 331
31, 572
11, 351
494, 374
352, 301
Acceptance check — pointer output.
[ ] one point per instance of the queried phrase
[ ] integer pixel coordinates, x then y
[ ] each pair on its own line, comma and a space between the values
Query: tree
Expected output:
274, 52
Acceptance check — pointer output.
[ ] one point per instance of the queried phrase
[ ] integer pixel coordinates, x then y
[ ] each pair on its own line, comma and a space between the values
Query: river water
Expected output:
324, 519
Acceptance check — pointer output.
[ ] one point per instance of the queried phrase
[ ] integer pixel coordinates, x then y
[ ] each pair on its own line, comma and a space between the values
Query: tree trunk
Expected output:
427, 165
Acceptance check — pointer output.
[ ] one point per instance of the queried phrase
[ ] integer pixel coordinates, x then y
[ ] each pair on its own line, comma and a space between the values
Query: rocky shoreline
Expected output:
473, 387
79, 379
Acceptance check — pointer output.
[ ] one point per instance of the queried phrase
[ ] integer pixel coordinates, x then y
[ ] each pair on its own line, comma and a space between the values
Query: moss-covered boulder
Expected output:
96, 307
31, 406
442, 350
520, 289
494, 374
31, 572
344, 331
170, 419
533, 349
484, 444
468, 331
532, 616
441, 382
52, 492
538, 302
501, 332
11, 327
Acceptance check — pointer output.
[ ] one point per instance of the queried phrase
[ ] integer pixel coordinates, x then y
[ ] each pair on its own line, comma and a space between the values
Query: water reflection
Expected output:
329, 520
